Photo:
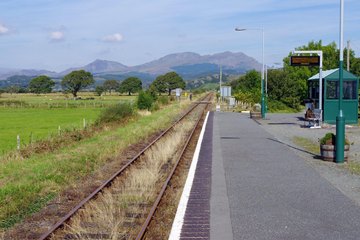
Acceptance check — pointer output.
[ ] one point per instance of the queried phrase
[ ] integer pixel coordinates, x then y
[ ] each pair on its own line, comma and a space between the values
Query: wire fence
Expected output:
67, 104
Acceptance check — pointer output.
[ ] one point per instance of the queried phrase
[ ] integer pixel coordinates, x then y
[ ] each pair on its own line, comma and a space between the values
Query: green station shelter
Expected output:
330, 101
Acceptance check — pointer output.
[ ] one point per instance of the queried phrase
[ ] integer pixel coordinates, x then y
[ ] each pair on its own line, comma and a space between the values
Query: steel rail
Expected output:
155, 206
111, 179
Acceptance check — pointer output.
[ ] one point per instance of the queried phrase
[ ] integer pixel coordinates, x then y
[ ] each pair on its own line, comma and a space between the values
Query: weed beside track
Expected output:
51, 173
129, 198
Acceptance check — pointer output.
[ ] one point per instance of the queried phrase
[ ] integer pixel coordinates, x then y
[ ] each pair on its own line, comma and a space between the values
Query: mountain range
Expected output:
188, 64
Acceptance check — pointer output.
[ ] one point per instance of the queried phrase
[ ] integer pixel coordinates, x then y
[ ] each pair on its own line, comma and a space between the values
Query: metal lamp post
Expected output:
340, 119
263, 67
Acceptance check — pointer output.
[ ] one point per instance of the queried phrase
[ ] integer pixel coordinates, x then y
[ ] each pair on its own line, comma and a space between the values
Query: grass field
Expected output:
37, 123
36, 117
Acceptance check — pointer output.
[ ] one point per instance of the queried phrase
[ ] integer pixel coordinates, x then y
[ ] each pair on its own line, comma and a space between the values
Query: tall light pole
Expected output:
340, 119
263, 67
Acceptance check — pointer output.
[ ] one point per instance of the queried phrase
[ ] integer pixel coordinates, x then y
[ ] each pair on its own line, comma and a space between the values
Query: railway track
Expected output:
122, 209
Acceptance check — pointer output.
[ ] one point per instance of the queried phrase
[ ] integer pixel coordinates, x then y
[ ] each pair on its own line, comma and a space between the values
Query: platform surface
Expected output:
260, 189
248, 185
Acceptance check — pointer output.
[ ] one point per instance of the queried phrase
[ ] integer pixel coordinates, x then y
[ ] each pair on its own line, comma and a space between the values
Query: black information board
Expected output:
305, 60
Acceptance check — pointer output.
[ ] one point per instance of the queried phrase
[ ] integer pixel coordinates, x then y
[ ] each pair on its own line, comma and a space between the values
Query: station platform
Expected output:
244, 184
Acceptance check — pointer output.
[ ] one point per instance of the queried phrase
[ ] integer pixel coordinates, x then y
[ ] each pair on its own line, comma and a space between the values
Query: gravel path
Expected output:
287, 126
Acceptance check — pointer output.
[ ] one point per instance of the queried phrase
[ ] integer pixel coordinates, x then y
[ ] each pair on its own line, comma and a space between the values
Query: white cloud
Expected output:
3, 29
116, 37
57, 36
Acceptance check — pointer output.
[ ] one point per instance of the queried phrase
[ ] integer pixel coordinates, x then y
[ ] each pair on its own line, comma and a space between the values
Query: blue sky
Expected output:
57, 34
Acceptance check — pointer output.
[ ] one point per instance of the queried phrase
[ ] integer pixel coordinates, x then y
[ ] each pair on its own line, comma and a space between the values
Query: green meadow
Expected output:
35, 117
33, 124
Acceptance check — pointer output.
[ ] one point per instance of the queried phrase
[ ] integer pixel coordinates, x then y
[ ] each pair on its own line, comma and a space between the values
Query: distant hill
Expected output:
189, 65
99, 66
6, 73
188, 62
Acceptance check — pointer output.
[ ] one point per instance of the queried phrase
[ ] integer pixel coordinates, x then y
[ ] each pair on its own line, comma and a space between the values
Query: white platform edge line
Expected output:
180, 212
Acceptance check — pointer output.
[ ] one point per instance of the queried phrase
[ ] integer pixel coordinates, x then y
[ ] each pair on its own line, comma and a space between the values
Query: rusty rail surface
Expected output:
63, 220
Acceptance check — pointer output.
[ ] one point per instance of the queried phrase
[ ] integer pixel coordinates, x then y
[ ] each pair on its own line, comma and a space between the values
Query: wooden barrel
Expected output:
328, 152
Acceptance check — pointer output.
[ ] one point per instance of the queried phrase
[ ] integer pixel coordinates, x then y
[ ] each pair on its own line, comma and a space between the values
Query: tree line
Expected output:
80, 79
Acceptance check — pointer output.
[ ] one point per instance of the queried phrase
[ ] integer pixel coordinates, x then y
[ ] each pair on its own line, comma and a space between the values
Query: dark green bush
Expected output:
163, 100
144, 100
116, 113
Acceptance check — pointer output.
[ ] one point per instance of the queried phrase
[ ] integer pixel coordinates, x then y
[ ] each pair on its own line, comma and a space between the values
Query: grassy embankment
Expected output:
26, 185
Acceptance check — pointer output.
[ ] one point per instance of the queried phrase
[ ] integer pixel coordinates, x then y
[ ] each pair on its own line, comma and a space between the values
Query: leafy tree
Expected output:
158, 85
99, 90
153, 92
77, 80
173, 81
13, 89
110, 85
251, 80
247, 88
130, 85
355, 66
41, 84
283, 89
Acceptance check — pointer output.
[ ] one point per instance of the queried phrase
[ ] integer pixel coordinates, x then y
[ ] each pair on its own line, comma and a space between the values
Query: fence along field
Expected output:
35, 117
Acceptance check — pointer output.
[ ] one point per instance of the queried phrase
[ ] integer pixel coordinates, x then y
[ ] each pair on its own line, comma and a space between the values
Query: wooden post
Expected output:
59, 130
18, 142
84, 123
348, 56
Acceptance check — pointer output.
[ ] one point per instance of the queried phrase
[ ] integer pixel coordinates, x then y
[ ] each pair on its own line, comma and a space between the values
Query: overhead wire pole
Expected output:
348, 56
340, 119
266, 88
220, 82
263, 106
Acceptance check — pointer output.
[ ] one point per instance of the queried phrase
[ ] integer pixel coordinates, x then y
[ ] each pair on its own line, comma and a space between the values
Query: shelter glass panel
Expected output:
332, 90
350, 90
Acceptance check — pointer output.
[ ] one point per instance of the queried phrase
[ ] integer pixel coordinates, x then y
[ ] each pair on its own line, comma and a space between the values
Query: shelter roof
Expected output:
333, 74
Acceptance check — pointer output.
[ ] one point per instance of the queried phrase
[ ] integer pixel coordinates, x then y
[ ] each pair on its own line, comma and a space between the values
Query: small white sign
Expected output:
225, 91
178, 92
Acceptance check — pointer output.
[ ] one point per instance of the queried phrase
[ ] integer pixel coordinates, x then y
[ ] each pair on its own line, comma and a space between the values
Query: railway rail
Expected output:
51, 233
